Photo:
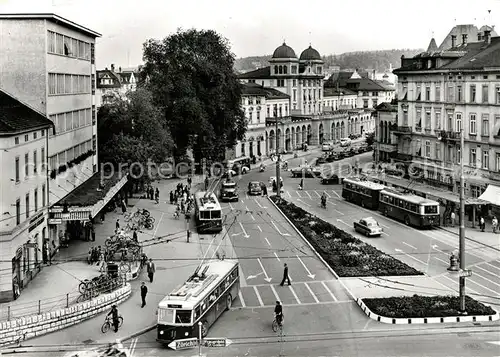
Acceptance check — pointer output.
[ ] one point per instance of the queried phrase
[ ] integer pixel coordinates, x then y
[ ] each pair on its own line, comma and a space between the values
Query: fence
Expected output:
91, 290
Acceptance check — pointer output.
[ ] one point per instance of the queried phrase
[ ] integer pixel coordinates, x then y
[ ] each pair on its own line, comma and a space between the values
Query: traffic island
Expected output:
419, 309
346, 255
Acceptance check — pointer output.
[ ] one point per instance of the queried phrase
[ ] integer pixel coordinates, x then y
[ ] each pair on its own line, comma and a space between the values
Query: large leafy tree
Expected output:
131, 130
191, 76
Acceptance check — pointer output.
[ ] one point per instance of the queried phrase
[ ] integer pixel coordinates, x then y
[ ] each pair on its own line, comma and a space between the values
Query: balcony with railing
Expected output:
404, 157
447, 135
388, 147
402, 130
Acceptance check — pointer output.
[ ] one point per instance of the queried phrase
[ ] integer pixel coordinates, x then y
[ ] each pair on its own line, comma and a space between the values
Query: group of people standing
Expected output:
96, 255
153, 194
182, 197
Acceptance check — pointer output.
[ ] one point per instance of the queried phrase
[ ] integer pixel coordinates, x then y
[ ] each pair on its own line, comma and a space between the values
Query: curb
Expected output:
471, 239
314, 250
137, 333
425, 320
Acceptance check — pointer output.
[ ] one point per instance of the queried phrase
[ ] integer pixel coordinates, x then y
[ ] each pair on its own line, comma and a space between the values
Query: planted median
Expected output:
347, 255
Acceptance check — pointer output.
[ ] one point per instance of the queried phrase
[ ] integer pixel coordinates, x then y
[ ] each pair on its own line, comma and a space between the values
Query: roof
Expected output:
432, 46
410, 197
284, 51
386, 107
117, 81
478, 56
364, 183
258, 90
17, 117
261, 73
467, 29
54, 18
89, 192
333, 92
310, 54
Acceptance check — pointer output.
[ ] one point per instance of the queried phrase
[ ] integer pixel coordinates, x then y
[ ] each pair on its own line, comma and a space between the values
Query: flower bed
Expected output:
425, 306
347, 255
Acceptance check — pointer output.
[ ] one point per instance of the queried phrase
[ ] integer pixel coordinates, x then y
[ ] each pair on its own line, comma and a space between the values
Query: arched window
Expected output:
275, 69
285, 69
280, 69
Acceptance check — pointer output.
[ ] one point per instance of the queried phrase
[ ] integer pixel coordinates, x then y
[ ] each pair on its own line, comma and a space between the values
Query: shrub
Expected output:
346, 254
425, 306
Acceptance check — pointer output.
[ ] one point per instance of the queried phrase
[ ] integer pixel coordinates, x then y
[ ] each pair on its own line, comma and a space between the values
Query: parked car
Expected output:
327, 146
332, 157
229, 191
345, 142
368, 226
255, 188
330, 179
306, 171
320, 161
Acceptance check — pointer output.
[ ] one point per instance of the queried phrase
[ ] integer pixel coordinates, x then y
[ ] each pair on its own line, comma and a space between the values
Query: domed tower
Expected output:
311, 82
282, 61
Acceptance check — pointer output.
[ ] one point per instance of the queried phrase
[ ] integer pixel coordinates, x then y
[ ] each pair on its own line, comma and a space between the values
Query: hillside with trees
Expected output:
378, 60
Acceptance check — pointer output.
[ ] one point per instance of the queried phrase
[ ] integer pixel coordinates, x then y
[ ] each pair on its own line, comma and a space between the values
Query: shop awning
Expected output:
492, 195
88, 198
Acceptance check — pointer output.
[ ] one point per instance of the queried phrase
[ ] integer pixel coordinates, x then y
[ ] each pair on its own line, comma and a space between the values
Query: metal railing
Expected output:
29, 308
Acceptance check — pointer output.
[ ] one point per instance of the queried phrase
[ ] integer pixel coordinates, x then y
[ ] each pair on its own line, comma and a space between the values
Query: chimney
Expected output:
487, 36
112, 67
464, 39
453, 42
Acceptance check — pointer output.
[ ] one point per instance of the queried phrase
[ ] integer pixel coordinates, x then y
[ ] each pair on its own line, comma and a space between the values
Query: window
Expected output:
26, 138
497, 162
485, 125
419, 119
486, 159
59, 44
375, 102
438, 150
459, 93
427, 118
451, 96
497, 95
472, 124
70, 154
35, 197
437, 120
458, 122
405, 116
35, 162
473, 158
69, 120
16, 140
18, 212
26, 167
427, 93
94, 143
438, 94
27, 203
427, 149
472, 98
67, 46
60, 84
294, 82
17, 168
294, 69
485, 94
74, 47
365, 103
52, 83
43, 195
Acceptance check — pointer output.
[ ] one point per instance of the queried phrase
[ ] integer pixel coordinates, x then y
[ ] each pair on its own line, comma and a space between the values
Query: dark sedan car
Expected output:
306, 171
229, 191
255, 188
330, 180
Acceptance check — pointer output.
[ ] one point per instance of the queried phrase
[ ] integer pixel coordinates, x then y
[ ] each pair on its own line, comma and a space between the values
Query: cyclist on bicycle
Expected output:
323, 200
278, 313
114, 316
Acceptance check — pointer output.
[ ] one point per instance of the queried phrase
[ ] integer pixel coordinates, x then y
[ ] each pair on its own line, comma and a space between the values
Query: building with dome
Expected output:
305, 115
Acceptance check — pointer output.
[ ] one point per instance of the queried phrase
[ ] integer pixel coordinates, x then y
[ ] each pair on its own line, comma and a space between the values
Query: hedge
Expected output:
347, 255
425, 306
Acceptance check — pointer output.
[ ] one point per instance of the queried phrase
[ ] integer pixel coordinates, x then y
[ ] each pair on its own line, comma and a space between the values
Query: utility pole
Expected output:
278, 181
462, 224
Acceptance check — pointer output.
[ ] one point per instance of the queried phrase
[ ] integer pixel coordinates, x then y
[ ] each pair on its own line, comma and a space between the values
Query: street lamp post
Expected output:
278, 183
462, 224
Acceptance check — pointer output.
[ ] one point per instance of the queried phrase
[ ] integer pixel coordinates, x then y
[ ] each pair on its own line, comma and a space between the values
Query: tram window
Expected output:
391, 200
407, 205
431, 209
216, 215
413, 207
197, 312
183, 316
204, 214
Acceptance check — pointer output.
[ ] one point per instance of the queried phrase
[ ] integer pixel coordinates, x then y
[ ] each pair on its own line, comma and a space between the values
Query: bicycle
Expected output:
108, 323
276, 325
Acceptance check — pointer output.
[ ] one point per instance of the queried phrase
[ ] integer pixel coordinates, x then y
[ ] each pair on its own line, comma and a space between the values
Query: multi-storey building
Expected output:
23, 193
444, 93
51, 68
306, 114
386, 121
111, 83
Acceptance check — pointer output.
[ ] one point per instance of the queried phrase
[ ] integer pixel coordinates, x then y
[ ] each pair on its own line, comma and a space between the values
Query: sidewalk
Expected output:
487, 237
175, 261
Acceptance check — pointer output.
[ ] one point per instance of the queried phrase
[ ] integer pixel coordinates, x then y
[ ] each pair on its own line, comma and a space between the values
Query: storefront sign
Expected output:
39, 222
55, 221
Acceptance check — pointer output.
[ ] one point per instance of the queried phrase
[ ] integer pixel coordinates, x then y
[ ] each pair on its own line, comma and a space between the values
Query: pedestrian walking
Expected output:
494, 224
301, 187
285, 276
171, 197
452, 219
151, 270
134, 235
157, 195
117, 226
152, 193
144, 292
482, 224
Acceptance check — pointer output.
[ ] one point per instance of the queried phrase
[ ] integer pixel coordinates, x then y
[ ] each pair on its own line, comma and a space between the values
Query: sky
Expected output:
257, 27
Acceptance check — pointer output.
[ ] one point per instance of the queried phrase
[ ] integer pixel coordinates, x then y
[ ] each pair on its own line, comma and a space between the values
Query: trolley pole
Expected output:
278, 181
462, 225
